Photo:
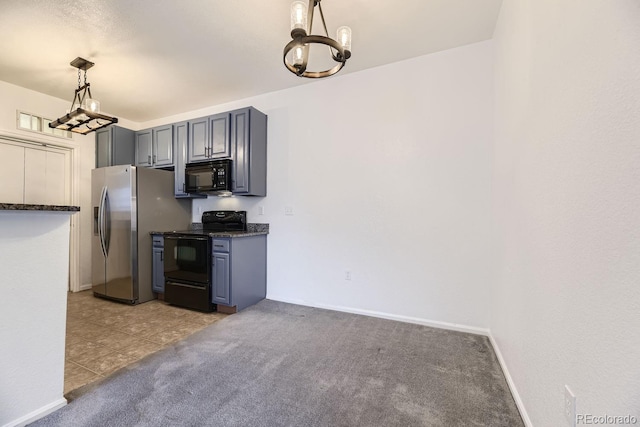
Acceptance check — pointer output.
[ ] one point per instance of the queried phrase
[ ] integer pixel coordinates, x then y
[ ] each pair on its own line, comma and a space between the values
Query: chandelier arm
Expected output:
326, 32
307, 40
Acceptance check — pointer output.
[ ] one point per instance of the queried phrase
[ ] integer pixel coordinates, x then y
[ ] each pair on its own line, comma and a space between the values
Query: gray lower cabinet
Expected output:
157, 262
114, 146
239, 271
154, 147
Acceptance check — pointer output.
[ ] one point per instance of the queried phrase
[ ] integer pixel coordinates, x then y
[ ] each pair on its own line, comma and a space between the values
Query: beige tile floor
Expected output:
104, 336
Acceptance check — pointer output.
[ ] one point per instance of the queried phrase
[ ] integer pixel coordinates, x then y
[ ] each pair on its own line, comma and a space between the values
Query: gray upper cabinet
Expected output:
209, 138
198, 140
249, 152
144, 148
163, 146
154, 147
181, 141
115, 145
219, 125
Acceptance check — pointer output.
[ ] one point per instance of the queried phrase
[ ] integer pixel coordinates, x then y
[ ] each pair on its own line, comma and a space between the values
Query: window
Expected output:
33, 123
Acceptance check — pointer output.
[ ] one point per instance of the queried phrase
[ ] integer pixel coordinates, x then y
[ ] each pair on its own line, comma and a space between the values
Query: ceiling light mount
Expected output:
84, 116
297, 62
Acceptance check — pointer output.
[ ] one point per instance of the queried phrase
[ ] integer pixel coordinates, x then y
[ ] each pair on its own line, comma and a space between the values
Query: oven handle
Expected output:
202, 238
184, 285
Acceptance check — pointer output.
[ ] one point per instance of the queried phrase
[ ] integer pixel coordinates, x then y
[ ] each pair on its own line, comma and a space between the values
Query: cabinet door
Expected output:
181, 132
240, 143
11, 173
103, 147
198, 140
158, 270
220, 141
220, 293
163, 146
144, 148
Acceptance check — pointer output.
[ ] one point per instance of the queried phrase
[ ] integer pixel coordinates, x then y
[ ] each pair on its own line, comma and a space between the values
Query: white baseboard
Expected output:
512, 385
85, 287
397, 317
38, 413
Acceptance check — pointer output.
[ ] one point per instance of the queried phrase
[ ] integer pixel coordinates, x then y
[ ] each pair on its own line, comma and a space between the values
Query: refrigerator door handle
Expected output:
107, 222
101, 220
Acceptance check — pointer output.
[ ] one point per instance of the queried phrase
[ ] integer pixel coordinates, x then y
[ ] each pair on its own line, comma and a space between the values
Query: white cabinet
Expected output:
38, 176
11, 173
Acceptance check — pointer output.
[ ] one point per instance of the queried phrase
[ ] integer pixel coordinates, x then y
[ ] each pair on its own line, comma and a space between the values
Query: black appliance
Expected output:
208, 177
187, 259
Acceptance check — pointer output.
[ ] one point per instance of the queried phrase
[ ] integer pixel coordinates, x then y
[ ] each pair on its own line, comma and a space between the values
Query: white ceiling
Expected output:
156, 58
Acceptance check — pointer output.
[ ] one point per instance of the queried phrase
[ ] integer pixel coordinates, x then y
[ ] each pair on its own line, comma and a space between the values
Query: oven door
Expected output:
186, 259
186, 270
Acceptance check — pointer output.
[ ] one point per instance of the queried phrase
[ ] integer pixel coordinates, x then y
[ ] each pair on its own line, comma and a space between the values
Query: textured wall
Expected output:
566, 301
387, 171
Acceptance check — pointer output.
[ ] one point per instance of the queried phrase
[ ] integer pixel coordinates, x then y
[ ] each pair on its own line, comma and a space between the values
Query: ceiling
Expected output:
156, 58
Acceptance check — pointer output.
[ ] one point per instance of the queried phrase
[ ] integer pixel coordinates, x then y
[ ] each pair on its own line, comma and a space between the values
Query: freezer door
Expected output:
120, 232
98, 260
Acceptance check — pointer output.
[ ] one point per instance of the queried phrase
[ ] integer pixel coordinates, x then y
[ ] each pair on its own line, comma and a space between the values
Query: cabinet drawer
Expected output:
220, 245
158, 241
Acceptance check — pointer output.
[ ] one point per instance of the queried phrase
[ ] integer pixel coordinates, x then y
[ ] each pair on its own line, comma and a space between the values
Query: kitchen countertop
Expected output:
27, 207
196, 228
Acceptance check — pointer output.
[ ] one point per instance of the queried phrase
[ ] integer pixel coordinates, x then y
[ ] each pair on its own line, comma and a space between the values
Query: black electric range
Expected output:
187, 259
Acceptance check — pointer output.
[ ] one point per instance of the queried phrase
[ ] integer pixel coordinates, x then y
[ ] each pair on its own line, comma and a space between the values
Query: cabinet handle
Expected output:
149, 159
154, 158
162, 256
184, 190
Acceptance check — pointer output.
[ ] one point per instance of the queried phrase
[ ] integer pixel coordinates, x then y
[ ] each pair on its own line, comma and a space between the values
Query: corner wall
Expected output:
388, 174
565, 306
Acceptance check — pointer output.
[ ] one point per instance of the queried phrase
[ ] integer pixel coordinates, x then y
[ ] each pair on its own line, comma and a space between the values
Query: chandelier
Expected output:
84, 116
296, 52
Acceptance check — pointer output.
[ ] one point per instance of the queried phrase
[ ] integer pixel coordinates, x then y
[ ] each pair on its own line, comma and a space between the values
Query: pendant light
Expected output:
84, 116
296, 52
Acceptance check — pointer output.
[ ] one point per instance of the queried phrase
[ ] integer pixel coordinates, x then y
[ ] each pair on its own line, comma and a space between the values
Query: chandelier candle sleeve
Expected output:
344, 37
299, 16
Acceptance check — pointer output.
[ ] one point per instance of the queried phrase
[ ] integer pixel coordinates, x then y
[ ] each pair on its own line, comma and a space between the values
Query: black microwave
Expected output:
208, 177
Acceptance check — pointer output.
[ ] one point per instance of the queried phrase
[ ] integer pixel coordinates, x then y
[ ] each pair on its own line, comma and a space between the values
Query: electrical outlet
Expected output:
569, 406
347, 275
260, 210
288, 210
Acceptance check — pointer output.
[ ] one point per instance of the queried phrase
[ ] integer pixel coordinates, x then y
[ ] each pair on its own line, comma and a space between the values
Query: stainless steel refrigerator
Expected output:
128, 203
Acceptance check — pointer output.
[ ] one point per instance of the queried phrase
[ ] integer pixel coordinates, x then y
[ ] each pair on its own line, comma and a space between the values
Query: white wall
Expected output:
34, 254
387, 171
565, 307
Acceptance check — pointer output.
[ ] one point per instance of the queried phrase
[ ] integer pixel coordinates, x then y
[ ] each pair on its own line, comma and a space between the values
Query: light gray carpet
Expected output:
277, 364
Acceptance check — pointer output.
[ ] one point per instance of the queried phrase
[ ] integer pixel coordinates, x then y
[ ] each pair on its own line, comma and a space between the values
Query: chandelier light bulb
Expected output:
298, 55
299, 15
344, 37
92, 105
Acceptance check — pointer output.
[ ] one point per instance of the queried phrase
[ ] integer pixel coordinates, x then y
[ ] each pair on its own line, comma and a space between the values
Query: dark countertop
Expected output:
196, 229
45, 208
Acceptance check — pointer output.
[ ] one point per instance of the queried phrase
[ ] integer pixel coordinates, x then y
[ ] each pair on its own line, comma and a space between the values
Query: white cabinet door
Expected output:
56, 184
11, 173
44, 177
38, 176
35, 176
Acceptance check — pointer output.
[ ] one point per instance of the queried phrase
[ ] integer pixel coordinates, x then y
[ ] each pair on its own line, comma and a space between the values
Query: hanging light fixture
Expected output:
84, 116
296, 52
